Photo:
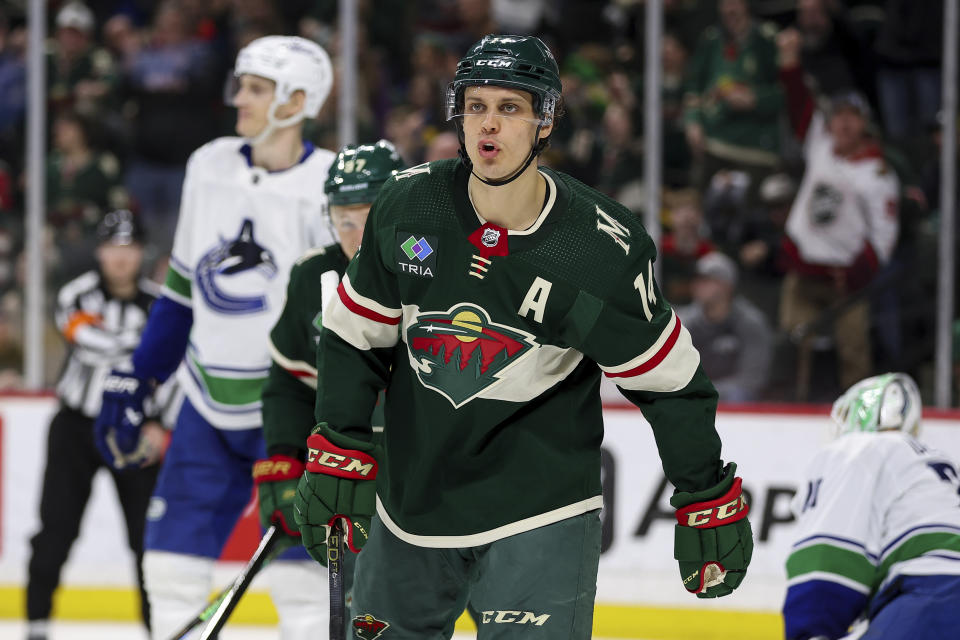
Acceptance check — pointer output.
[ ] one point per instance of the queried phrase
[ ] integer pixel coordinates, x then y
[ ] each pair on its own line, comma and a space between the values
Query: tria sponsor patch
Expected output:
417, 255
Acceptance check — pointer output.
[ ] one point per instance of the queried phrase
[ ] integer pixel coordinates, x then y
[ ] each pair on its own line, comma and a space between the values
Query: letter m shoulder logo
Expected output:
613, 228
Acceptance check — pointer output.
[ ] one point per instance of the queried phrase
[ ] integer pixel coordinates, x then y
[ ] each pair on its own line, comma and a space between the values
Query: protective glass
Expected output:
230, 90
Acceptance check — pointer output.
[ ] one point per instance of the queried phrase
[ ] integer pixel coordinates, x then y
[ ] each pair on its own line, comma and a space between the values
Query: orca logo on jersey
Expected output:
230, 265
366, 627
460, 352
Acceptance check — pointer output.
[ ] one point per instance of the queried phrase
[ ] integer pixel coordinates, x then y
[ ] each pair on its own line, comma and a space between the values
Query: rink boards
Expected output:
639, 586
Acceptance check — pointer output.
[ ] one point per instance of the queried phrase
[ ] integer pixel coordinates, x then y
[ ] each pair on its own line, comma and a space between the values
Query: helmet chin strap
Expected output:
535, 150
273, 123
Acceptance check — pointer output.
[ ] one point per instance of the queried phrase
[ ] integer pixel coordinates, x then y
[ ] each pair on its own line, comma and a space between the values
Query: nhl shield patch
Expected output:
416, 254
461, 352
366, 627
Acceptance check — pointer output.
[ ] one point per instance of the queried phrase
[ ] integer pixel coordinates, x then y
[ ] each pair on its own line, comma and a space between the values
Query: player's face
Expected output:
252, 100
498, 128
348, 221
120, 264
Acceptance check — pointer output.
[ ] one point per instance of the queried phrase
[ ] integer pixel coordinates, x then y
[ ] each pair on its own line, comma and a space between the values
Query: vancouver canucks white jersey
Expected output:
240, 230
875, 506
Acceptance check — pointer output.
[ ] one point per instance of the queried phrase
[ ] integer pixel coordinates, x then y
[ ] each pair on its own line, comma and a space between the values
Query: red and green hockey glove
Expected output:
276, 479
339, 483
713, 541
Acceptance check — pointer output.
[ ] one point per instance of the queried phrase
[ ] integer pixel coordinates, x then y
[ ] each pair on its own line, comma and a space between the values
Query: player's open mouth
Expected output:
488, 149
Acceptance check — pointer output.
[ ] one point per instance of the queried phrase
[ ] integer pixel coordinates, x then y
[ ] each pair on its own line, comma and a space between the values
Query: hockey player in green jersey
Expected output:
289, 394
507, 289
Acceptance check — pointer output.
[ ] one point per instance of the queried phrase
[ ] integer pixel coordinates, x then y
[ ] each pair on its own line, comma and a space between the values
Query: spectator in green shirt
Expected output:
733, 100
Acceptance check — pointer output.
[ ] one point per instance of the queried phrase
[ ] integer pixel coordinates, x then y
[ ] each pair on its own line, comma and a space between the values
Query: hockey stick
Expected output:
222, 606
335, 551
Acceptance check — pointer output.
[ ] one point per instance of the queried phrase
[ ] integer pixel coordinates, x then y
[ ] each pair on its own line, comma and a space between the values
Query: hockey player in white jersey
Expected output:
251, 206
878, 535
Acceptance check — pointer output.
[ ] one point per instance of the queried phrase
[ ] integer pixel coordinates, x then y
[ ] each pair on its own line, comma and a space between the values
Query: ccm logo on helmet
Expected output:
499, 64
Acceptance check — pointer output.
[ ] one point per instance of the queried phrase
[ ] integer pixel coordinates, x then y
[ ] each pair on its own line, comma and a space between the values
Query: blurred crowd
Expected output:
800, 163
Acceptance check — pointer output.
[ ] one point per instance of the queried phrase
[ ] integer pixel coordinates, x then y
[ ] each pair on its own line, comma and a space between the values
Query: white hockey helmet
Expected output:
294, 64
888, 402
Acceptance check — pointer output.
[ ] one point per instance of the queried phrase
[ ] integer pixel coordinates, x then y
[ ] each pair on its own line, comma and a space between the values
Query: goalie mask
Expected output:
294, 64
888, 402
359, 171
517, 62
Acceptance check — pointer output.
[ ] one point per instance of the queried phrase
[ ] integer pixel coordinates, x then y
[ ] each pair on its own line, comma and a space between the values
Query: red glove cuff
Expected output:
277, 468
726, 509
325, 457
348, 529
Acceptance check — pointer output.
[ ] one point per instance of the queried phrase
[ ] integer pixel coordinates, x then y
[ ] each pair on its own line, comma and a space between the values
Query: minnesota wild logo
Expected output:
460, 352
367, 627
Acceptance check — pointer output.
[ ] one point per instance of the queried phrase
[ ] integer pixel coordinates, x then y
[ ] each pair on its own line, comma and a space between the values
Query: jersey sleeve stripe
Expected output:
177, 286
366, 307
657, 357
832, 560
939, 528
668, 365
670, 331
837, 541
181, 267
357, 324
76, 321
921, 544
826, 576
297, 368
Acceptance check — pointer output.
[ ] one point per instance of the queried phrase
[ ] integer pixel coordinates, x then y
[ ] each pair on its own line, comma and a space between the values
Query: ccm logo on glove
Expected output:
728, 508
325, 457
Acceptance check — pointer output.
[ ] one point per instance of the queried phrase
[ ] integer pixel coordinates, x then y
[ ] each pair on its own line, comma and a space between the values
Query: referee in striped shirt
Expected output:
101, 314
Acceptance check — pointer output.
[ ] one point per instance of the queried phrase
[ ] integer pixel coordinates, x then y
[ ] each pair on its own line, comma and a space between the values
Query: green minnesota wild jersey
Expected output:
493, 415
289, 394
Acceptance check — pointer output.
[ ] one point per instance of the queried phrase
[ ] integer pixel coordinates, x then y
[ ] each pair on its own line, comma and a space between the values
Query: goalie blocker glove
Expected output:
117, 428
339, 482
276, 479
713, 541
